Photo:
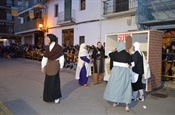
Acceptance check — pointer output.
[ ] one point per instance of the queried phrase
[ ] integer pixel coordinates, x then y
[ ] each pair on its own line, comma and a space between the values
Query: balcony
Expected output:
31, 4
65, 19
114, 8
29, 26
6, 29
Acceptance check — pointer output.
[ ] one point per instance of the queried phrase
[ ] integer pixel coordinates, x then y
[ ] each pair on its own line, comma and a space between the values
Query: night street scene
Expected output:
87, 57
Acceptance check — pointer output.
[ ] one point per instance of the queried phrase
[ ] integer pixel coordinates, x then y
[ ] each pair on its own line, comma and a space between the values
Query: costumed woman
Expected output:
83, 70
118, 89
52, 62
98, 56
138, 69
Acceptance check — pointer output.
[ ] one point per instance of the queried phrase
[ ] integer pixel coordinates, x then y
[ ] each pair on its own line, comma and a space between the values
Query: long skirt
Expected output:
83, 78
52, 88
118, 88
138, 85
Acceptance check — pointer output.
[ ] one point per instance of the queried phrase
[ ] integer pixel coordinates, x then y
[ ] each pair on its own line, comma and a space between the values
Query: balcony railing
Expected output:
111, 7
7, 29
28, 4
28, 26
66, 18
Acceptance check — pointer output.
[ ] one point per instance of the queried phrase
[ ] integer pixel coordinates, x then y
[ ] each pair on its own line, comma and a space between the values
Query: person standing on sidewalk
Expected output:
138, 69
83, 70
118, 89
98, 56
52, 61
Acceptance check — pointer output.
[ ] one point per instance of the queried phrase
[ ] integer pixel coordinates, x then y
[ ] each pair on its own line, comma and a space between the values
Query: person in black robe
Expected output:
51, 63
98, 56
139, 69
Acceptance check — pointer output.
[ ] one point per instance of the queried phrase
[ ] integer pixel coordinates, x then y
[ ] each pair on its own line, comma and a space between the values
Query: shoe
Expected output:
133, 99
95, 84
86, 85
100, 83
57, 101
140, 99
127, 109
115, 104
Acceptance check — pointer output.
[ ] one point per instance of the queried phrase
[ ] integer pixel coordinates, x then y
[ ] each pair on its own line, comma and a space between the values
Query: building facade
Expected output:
7, 21
77, 21
31, 15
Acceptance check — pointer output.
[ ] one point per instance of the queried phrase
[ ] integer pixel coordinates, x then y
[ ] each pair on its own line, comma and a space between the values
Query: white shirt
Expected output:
45, 59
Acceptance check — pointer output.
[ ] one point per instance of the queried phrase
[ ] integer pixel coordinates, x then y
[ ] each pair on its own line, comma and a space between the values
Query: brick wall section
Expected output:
155, 55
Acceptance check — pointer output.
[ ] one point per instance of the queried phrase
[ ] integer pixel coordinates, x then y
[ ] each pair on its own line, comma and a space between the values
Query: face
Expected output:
99, 45
173, 47
85, 47
167, 50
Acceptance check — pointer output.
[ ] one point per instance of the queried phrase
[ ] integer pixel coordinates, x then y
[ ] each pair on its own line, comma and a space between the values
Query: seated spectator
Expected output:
71, 64
67, 62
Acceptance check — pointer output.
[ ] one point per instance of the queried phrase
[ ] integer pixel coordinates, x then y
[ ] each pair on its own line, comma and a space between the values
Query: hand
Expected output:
114, 50
42, 70
61, 69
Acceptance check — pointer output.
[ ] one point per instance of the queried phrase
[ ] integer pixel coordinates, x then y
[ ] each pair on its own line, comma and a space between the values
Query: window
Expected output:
82, 4
9, 2
122, 5
9, 16
56, 10
81, 40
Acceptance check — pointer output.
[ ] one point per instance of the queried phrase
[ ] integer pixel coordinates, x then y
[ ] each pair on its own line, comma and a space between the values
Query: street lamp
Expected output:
44, 29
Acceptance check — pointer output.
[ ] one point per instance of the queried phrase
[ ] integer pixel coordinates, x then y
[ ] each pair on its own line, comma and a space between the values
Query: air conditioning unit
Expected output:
129, 21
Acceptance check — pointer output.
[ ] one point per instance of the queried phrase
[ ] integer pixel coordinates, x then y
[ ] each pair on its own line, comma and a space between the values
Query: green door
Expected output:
67, 10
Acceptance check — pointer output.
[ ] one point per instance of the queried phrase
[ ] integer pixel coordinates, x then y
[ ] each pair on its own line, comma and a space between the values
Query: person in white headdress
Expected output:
138, 69
118, 89
83, 67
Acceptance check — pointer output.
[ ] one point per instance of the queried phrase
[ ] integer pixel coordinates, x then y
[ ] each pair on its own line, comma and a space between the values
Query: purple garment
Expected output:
83, 78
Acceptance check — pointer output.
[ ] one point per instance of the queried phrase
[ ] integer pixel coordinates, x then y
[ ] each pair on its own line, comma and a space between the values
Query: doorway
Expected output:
68, 37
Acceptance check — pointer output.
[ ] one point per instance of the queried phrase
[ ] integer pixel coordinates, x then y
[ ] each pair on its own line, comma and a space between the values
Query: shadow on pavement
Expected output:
20, 107
68, 88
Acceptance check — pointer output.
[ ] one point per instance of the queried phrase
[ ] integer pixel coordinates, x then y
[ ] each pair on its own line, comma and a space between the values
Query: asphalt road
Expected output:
21, 90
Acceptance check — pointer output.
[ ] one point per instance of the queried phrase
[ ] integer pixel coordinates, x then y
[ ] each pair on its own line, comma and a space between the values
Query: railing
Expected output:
28, 4
114, 7
66, 17
7, 29
168, 66
28, 25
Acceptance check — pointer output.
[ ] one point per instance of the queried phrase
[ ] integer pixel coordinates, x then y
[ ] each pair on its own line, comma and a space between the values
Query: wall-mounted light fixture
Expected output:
44, 29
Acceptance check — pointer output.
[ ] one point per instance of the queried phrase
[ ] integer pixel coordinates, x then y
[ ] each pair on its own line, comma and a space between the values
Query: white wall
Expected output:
114, 25
91, 12
51, 19
93, 31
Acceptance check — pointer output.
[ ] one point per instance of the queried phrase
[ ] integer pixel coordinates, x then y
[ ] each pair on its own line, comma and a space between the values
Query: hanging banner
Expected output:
31, 14
14, 11
122, 37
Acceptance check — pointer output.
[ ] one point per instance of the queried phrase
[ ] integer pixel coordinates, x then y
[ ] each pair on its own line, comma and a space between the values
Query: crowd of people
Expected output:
168, 59
19, 51
71, 55
16, 50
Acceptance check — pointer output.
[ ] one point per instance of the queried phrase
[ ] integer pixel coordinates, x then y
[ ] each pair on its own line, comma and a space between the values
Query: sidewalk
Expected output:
21, 89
